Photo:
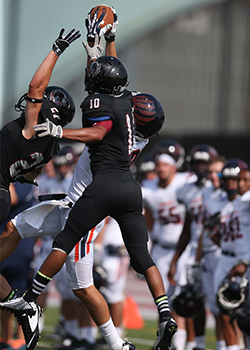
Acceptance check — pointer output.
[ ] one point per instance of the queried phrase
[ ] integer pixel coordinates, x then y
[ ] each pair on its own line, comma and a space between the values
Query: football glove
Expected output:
93, 26
95, 51
110, 36
213, 221
48, 128
63, 41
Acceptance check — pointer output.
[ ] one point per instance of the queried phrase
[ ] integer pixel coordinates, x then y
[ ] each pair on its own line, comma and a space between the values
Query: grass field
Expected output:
142, 338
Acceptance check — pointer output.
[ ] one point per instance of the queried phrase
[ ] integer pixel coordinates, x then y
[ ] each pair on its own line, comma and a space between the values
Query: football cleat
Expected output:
30, 325
127, 345
165, 333
27, 315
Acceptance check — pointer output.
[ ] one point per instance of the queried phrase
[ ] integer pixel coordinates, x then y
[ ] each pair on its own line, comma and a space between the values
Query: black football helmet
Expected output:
106, 75
243, 319
64, 103
189, 302
54, 97
232, 294
173, 148
148, 115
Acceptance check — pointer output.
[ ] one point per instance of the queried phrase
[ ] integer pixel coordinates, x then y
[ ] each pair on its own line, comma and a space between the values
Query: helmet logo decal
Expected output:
95, 69
55, 113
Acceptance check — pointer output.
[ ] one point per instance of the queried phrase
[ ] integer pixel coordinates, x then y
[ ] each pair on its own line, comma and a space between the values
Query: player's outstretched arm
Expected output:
41, 79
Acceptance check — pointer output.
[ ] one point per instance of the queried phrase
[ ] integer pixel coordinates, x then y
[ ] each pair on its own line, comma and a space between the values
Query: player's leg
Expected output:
23, 226
80, 278
9, 240
134, 231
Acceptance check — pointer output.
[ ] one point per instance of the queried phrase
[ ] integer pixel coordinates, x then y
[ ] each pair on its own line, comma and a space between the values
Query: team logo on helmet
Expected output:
148, 115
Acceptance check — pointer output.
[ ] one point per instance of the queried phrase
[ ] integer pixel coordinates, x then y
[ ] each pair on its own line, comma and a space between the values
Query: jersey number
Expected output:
94, 103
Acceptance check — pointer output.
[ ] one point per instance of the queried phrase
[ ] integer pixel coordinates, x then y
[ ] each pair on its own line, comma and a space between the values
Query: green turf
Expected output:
142, 338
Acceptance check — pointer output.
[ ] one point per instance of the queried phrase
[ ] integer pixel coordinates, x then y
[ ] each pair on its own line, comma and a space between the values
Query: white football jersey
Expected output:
193, 197
168, 213
234, 226
243, 243
229, 226
214, 204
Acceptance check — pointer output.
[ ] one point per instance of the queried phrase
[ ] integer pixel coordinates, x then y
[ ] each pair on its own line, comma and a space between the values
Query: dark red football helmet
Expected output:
148, 115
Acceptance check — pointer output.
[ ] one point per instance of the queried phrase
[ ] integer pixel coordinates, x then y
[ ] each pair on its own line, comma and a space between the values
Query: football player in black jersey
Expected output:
108, 131
23, 154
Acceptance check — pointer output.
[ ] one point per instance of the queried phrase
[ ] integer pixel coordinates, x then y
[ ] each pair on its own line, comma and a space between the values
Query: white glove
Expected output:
49, 128
95, 51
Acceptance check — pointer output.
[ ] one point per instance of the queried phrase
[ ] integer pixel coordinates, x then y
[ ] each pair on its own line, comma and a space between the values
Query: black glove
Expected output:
210, 223
22, 179
63, 41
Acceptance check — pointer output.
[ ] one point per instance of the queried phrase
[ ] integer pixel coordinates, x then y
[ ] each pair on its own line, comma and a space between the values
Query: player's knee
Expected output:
65, 241
84, 294
141, 264
10, 232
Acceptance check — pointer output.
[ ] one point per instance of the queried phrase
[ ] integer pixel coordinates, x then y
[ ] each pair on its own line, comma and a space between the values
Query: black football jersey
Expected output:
19, 155
114, 151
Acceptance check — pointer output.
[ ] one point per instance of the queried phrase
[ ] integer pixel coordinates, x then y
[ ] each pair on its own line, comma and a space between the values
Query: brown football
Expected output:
108, 17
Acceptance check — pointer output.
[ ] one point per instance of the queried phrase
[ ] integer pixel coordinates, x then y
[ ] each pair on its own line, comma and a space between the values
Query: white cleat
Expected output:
127, 345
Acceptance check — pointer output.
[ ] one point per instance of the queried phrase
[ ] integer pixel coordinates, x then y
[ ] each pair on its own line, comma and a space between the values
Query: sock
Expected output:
119, 331
88, 333
71, 326
39, 283
221, 345
190, 345
200, 342
163, 308
179, 339
109, 333
9, 296
233, 347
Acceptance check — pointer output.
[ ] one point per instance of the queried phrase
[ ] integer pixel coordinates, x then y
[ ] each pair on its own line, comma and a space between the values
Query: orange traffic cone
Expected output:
132, 318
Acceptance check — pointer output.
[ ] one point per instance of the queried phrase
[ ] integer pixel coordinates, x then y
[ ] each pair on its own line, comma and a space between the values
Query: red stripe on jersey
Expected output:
77, 251
107, 124
89, 240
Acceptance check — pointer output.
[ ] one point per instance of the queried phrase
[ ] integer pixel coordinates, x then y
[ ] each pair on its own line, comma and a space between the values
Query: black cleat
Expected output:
165, 333
27, 315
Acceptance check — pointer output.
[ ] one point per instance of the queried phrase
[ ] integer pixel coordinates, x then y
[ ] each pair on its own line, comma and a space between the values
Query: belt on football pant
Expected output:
225, 252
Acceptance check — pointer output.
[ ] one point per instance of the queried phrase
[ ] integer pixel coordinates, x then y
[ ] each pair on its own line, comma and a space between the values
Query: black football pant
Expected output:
115, 194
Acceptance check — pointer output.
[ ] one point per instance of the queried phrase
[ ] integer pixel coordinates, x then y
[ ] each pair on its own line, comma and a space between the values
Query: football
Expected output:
108, 17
